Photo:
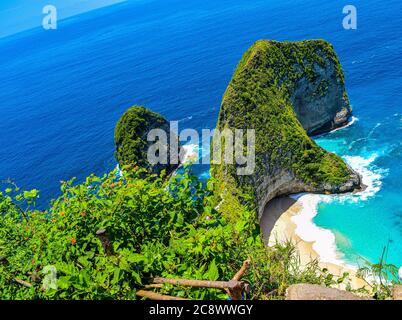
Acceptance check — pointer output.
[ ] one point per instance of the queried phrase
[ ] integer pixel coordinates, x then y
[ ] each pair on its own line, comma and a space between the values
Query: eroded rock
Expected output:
317, 292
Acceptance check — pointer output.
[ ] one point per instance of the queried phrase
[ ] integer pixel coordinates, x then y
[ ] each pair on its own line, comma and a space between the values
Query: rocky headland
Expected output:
287, 91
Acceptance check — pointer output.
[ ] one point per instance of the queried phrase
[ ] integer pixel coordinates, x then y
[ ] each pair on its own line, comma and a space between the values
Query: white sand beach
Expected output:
290, 218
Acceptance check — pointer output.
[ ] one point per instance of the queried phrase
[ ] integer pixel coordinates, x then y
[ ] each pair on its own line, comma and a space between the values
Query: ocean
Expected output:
62, 92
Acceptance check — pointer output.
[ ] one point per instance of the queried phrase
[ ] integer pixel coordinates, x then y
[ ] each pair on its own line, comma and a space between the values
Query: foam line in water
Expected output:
371, 177
351, 122
191, 153
119, 173
324, 241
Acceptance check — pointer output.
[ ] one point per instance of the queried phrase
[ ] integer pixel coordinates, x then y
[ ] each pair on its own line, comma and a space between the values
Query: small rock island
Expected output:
131, 138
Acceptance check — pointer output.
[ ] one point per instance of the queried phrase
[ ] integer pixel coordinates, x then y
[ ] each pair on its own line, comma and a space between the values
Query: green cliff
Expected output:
284, 91
131, 138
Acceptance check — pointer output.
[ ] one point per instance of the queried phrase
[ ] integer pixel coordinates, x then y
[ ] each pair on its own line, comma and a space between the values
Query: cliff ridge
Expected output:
287, 91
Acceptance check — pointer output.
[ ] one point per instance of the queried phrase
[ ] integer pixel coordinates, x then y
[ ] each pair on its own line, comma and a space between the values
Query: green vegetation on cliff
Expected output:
259, 97
131, 137
131, 132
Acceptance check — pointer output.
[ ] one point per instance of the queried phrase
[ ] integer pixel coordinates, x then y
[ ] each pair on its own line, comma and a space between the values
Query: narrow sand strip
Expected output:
277, 225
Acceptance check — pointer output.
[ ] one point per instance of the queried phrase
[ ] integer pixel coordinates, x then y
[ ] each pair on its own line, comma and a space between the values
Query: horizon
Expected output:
17, 16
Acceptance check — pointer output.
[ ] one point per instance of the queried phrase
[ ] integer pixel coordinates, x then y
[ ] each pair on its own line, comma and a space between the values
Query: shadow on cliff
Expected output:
272, 212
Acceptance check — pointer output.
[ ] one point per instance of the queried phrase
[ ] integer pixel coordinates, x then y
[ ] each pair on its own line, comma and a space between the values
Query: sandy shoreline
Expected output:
286, 218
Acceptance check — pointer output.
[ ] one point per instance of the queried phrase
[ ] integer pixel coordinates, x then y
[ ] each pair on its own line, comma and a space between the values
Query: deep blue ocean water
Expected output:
62, 92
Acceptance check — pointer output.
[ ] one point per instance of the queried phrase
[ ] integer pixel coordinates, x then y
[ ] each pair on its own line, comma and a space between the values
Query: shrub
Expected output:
157, 226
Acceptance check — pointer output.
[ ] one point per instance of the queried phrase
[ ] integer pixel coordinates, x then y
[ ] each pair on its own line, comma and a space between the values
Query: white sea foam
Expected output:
190, 153
119, 173
324, 241
186, 118
350, 123
371, 177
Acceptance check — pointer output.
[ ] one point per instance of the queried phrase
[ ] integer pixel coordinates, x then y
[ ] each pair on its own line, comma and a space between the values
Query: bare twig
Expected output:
23, 283
242, 270
155, 296
153, 286
200, 283
235, 294
234, 287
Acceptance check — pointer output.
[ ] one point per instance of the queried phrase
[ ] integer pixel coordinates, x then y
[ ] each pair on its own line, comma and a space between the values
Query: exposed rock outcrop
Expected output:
397, 292
316, 292
320, 101
285, 91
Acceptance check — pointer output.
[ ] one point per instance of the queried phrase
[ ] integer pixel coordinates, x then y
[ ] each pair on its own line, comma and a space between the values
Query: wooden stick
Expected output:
200, 283
153, 286
238, 276
234, 288
23, 283
242, 270
236, 293
155, 296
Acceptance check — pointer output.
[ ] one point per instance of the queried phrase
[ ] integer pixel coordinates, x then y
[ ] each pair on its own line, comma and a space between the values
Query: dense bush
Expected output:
158, 227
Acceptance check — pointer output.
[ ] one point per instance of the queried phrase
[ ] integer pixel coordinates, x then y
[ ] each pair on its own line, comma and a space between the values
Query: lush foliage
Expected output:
158, 227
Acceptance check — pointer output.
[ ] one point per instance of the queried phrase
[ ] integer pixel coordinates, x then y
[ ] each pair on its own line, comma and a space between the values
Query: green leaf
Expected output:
63, 282
116, 276
212, 273
28, 195
136, 277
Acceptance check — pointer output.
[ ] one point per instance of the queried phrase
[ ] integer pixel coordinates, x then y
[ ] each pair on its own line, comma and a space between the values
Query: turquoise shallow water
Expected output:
62, 92
366, 223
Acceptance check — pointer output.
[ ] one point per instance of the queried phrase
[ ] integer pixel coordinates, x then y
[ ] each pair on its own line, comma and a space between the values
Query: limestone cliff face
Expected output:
285, 91
285, 182
320, 102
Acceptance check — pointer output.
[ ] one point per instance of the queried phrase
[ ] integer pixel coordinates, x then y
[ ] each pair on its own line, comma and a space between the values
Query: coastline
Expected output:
290, 219
349, 123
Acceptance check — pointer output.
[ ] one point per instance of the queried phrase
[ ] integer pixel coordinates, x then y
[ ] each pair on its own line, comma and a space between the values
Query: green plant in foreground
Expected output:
158, 226
380, 277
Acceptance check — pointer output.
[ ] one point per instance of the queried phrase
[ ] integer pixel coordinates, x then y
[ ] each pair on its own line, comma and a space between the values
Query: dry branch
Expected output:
23, 283
200, 283
242, 270
153, 286
234, 287
155, 296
